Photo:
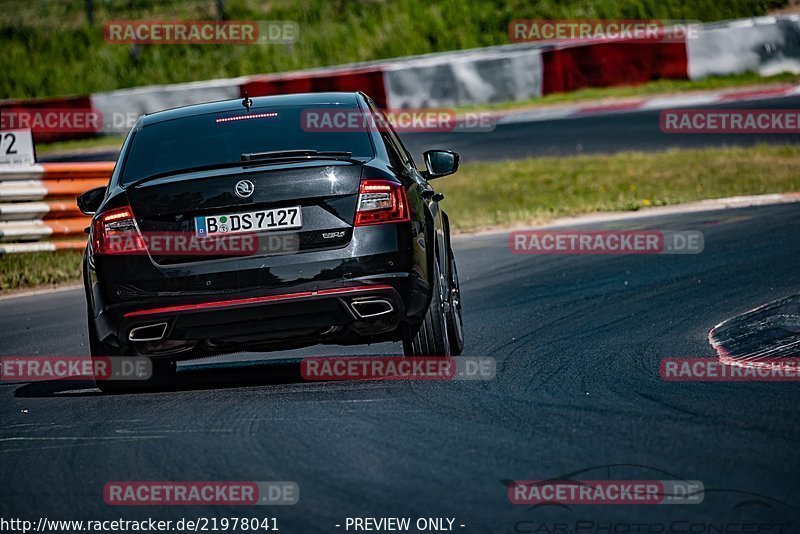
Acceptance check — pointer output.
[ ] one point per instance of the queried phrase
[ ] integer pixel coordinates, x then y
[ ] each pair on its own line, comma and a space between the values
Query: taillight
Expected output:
115, 232
381, 201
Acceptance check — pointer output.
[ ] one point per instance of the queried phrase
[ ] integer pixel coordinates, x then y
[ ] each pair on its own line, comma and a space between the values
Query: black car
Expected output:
369, 257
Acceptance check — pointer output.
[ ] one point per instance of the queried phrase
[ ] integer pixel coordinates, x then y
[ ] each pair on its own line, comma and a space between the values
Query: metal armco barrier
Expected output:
37, 205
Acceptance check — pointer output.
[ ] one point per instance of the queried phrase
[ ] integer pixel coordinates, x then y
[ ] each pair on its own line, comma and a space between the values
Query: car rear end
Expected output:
302, 250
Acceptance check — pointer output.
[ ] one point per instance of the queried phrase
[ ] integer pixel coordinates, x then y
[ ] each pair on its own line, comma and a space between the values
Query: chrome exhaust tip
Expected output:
150, 332
366, 309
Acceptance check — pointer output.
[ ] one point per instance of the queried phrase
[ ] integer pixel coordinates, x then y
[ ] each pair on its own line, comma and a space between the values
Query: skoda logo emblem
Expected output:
244, 188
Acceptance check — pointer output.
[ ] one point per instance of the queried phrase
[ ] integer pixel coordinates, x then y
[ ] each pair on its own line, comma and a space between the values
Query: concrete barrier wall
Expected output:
76, 103
482, 77
121, 108
367, 79
605, 64
767, 45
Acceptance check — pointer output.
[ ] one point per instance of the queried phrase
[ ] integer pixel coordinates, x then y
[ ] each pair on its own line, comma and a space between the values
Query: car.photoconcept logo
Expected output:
244, 188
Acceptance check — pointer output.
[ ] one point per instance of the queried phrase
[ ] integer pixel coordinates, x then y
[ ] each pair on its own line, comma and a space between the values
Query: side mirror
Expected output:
440, 163
89, 202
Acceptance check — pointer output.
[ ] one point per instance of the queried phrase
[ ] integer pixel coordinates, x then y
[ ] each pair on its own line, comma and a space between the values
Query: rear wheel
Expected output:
455, 322
430, 337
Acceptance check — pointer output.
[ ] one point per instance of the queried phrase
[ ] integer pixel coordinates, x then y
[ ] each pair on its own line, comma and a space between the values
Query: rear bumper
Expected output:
293, 319
285, 301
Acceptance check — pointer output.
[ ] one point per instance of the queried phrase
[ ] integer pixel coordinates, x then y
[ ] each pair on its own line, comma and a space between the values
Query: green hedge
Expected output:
55, 52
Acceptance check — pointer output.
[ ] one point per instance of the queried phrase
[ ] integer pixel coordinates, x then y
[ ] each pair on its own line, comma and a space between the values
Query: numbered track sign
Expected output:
16, 147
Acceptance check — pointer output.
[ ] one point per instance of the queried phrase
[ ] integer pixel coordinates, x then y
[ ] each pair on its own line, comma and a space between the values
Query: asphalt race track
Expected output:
602, 133
589, 134
577, 340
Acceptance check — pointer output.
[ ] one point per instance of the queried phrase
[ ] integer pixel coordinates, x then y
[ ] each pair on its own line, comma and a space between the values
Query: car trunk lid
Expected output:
326, 192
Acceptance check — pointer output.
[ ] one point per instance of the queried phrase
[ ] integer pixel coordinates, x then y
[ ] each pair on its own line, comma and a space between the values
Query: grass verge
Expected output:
80, 145
36, 269
534, 191
49, 48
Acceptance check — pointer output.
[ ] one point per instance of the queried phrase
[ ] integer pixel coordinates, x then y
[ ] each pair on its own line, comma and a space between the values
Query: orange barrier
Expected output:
38, 210
61, 208
99, 170
73, 226
72, 188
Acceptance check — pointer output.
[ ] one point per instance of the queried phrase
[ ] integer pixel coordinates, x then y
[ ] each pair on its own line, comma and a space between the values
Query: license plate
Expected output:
252, 221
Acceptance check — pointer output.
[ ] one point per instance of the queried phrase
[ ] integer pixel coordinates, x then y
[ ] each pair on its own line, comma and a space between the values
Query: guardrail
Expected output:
37, 205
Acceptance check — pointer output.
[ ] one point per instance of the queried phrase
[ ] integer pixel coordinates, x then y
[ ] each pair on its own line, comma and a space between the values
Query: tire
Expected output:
455, 321
163, 370
430, 337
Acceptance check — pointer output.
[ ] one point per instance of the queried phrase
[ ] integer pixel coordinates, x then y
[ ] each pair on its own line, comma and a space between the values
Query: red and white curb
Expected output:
745, 201
755, 359
634, 105
41, 291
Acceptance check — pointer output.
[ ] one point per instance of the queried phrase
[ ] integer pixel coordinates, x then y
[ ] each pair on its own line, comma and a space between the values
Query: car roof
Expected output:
227, 106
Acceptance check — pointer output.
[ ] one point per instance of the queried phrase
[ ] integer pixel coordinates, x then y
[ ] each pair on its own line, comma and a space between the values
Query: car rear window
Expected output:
218, 138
